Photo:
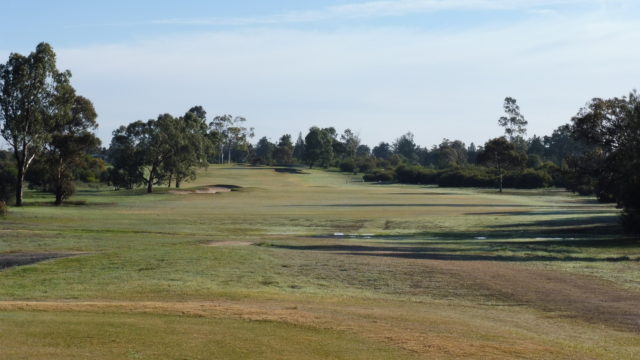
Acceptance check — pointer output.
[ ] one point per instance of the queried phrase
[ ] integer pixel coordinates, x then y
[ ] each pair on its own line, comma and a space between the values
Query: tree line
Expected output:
49, 131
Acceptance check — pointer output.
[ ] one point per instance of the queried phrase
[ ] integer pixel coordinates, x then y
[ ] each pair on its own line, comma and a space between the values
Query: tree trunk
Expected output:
58, 201
170, 178
177, 183
19, 183
500, 172
229, 155
150, 183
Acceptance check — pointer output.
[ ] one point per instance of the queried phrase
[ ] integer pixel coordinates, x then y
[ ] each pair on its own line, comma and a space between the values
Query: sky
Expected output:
437, 68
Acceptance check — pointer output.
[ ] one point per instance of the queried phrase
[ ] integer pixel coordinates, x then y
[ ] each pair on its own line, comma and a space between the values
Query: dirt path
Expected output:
587, 298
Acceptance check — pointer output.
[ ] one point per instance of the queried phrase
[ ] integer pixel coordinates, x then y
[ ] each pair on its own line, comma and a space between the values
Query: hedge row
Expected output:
472, 176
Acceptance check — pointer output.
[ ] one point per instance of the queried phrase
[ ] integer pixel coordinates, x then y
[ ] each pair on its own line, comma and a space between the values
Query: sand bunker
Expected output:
230, 243
207, 190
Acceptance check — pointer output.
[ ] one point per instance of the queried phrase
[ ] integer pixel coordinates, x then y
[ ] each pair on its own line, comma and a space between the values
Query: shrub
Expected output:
528, 179
348, 166
467, 177
379, 175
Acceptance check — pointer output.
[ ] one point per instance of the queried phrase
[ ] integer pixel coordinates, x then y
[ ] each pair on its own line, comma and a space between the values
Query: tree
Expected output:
237, 135
264, 151
612, 128
283, 154
126, 156
28, 88
70, 142
382, 151
190, 145
219, 132
502, 155
514, 123
351, 142
318, 147
451, 153
298, 149
363, 151
406, 147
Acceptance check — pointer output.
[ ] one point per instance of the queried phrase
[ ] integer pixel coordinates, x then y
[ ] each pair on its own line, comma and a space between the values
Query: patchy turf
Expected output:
343, 269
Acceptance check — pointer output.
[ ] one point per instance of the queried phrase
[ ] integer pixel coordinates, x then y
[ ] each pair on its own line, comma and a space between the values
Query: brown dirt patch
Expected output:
584, 297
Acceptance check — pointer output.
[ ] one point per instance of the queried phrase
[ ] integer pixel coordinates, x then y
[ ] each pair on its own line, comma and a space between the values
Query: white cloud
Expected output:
393, 8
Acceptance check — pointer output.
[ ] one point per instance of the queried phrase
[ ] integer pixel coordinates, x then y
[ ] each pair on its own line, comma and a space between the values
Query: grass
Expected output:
424, 285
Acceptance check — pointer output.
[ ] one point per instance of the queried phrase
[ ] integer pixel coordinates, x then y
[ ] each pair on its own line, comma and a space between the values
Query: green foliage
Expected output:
319, 146
528, 179
466, 177
8, 172
406, 147
514, 123
501, 155
33, 95
382, 151
612, 127
283, 154
379, 176
348, 166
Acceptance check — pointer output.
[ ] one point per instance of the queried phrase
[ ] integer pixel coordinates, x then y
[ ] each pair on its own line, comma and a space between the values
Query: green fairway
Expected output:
316, 265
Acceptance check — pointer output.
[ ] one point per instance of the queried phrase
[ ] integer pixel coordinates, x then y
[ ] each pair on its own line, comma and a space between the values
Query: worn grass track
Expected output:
419, 273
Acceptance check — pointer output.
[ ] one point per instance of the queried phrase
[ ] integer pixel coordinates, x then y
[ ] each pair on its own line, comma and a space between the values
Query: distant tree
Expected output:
127, 156
472, 153
190, 145
318, 147
219, 133
283, 154
29, 87
382, 151
237, 135
562, 145
264, 150
298, 149
514, 123
363, 151
502, 155
451, 153
535, 146
351, 142
406, 147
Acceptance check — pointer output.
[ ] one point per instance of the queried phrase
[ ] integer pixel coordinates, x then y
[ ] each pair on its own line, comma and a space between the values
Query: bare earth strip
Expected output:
587, 298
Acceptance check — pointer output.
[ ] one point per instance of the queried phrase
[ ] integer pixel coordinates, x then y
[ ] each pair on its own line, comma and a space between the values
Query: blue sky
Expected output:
437, 68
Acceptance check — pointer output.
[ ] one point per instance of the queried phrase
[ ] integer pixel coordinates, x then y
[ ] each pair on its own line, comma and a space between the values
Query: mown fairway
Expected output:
259, 273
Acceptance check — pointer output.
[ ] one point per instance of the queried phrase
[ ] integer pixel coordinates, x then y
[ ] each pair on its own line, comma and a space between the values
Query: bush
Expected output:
348, 166
379, 176
528, 179
467, 177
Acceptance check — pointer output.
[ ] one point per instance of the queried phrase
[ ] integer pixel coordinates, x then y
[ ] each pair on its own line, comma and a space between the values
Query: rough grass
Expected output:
423, 285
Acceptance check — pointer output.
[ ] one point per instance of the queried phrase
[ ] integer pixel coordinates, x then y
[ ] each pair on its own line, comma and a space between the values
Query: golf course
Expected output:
256, 262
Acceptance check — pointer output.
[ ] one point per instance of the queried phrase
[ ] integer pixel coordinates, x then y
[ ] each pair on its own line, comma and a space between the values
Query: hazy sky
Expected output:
438, 68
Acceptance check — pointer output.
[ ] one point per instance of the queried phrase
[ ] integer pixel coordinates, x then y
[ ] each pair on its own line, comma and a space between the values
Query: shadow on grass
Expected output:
421, 205
436, 253
545, 213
